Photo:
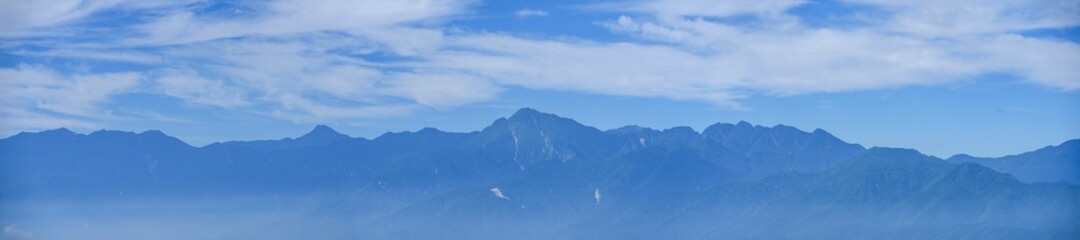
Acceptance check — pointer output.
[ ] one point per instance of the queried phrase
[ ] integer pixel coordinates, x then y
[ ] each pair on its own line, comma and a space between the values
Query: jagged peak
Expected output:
681, 129
720, 129
719, 126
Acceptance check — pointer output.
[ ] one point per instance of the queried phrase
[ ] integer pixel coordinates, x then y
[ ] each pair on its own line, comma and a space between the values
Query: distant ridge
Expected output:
320, 135
536, 175
785, 147
1048, 164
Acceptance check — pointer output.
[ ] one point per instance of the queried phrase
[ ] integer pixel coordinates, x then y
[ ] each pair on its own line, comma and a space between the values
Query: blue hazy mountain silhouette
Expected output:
1048, 164
320, 135
536, 175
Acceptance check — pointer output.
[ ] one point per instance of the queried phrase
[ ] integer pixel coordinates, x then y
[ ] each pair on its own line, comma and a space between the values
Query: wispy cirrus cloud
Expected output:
681, 8
48, 18
967, 17
36, 97
776, 53
189, 86
605, 68
285, 17
329, 59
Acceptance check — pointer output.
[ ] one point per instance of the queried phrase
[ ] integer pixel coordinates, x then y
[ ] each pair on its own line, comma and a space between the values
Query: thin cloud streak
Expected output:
314, 61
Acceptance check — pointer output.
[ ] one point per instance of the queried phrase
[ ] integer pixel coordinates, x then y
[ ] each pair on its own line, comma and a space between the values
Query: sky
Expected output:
982, 77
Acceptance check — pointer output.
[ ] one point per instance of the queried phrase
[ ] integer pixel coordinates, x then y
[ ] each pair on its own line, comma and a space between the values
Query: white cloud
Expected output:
296, 108
14, 231
307, 79
36, 97
1048, 62
950, 18
596, 193
816, 61
15, 120
530, 13
285, 17
294, 53
76, 95
19, 17
36, 18
442, 90
297, 60
617, 69
405, 41
190, 87
93, 54
674, 8
499, 194
788, 58
300, 79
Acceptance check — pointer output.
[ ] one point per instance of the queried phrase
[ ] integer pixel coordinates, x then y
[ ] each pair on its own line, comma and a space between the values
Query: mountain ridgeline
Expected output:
533, 175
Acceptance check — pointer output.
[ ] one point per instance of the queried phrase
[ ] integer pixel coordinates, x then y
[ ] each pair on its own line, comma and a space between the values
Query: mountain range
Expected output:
533, 175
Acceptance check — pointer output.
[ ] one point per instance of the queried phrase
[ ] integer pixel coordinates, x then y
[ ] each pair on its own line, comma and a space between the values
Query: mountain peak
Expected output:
962, 157
743, 124
530, 118
154, 133
526, 113
323, 133
60, 130
822, 133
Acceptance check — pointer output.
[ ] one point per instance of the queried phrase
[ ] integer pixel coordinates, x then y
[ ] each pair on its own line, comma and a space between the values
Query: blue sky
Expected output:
987, 77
